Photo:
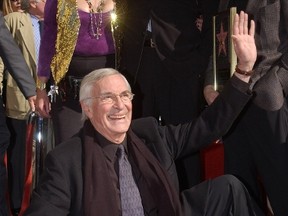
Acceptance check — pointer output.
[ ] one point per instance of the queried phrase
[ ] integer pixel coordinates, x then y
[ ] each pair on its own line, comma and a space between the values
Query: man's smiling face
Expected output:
112, 120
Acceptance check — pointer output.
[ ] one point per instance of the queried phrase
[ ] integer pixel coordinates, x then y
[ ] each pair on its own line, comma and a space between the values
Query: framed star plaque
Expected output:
224, 57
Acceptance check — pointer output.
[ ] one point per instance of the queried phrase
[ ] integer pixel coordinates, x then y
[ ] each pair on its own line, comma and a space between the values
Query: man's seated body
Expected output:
84, 175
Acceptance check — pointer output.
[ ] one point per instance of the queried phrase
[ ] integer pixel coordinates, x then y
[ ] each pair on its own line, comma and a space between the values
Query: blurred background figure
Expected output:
17, 67
25, 28
9, 6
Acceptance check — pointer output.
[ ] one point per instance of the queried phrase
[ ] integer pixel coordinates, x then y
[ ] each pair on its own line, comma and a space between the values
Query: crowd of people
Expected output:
80, 65
17, 67
25, 29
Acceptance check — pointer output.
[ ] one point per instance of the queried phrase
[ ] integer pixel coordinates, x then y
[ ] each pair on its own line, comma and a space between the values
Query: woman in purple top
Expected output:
78, 37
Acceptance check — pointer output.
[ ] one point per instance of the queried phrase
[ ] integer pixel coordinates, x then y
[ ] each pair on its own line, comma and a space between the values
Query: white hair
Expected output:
89, 81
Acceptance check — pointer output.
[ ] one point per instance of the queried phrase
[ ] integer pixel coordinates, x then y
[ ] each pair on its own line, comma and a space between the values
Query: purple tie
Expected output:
130, 197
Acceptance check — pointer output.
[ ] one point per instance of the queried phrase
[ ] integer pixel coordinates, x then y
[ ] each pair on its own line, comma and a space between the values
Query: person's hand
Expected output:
43, 105
32, 101
244, 42
210, 94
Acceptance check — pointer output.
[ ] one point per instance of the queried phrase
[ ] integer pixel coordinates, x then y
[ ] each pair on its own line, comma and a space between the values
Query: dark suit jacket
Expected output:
14, 61
60, 189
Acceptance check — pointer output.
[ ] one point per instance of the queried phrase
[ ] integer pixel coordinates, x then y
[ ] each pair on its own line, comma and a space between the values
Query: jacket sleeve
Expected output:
59, 191
213, 123
52, 197
48, 39
175, 141
14, 61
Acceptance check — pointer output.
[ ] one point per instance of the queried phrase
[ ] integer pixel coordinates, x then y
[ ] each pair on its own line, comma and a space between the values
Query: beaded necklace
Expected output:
95, 25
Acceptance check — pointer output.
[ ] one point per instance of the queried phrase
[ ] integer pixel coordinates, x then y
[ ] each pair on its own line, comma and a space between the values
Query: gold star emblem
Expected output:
221, 36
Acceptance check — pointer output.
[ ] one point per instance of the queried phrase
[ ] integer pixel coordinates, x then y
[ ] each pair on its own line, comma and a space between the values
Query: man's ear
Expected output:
86, 109
33, 4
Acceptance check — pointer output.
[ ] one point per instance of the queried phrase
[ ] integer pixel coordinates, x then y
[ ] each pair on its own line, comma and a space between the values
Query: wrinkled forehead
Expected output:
113, 83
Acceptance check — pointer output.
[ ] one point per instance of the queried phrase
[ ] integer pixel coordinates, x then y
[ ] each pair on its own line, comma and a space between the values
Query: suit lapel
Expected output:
27, 34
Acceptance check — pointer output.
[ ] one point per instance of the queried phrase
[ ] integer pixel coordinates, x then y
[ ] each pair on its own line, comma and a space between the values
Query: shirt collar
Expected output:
109, 148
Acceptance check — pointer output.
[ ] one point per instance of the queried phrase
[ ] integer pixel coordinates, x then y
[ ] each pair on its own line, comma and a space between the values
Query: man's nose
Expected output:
118, 101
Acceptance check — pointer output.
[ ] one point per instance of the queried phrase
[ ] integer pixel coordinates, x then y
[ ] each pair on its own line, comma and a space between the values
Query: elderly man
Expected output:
117, 167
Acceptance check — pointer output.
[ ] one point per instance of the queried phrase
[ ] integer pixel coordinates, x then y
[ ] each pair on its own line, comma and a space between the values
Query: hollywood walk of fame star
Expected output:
221, 36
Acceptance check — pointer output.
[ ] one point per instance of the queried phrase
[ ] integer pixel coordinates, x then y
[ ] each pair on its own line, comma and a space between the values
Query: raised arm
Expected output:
245, 48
